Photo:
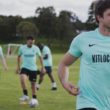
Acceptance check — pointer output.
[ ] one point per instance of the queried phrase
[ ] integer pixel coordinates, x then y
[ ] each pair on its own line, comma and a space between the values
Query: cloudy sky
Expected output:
27, 8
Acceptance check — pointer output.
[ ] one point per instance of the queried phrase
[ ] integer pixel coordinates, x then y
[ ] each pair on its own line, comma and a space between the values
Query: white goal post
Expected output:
12, 49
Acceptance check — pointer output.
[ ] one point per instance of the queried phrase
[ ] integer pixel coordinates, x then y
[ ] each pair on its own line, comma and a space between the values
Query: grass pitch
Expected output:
10, 90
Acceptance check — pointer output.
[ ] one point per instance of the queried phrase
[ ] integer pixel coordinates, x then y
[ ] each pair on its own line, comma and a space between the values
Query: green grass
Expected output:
10, 89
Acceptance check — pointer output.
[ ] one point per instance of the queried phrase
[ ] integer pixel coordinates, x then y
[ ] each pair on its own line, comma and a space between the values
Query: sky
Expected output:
27, 8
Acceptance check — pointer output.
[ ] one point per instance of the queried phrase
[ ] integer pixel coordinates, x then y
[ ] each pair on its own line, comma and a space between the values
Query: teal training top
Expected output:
29, 56
93, 48
47, 51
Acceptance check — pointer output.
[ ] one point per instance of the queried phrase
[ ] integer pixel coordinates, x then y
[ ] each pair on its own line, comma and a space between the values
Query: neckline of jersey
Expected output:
30, 47
101, 35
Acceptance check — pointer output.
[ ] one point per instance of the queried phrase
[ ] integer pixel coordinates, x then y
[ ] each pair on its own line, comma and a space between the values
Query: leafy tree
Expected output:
25, 29
91, 13
8, 28
91, 22
46, 22
66, 29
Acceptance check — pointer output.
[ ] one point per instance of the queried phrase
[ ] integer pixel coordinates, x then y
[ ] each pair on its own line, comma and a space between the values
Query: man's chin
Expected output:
29, 45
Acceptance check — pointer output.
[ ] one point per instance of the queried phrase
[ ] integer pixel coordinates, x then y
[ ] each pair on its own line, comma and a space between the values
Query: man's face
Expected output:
30, 42
105, 20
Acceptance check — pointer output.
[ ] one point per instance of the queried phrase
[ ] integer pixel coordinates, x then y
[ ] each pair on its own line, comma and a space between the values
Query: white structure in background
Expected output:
12, 49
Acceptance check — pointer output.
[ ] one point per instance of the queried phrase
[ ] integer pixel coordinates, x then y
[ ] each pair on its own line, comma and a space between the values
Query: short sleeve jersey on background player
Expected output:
94, 51
47, 51
29, 56
1, 52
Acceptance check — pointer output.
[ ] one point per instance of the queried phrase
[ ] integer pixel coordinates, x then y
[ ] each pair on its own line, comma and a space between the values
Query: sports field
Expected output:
10, 90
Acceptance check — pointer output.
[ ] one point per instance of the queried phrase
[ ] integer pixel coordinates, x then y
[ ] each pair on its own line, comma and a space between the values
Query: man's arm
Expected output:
45, 57
4, 63
64, 73
18, 64
3, 59
18, 61
20, 52
42, 66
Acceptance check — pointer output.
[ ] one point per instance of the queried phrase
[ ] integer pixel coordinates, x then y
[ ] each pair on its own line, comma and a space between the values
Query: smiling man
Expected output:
93, 49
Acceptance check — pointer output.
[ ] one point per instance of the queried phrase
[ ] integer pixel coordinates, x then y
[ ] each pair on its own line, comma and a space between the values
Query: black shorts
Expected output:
31, 74
88, 109
48, 69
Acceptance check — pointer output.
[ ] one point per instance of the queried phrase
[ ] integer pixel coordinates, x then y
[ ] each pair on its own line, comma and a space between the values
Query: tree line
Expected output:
46, 25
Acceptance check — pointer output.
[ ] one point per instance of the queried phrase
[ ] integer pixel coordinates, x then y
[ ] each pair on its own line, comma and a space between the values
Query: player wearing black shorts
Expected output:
29, 53
47, 62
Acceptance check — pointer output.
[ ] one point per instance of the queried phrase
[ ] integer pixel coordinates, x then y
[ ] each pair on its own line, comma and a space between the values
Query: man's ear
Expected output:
33, 41
99, 18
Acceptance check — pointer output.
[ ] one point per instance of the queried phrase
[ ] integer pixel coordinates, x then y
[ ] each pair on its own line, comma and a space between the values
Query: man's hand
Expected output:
18, 70
43, 70
71, 88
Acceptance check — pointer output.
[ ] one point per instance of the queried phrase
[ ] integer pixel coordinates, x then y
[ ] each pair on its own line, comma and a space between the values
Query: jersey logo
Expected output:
90, 45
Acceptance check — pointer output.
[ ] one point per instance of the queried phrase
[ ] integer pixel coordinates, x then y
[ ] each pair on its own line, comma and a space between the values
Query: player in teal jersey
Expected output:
93, 49
47, 62
29, 53
3, 59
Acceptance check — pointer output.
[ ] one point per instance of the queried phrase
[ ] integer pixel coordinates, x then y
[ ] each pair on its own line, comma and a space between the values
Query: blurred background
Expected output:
52, 22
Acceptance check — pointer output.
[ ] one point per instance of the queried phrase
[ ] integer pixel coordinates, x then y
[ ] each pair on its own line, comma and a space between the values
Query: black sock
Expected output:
34, 96
25, 92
